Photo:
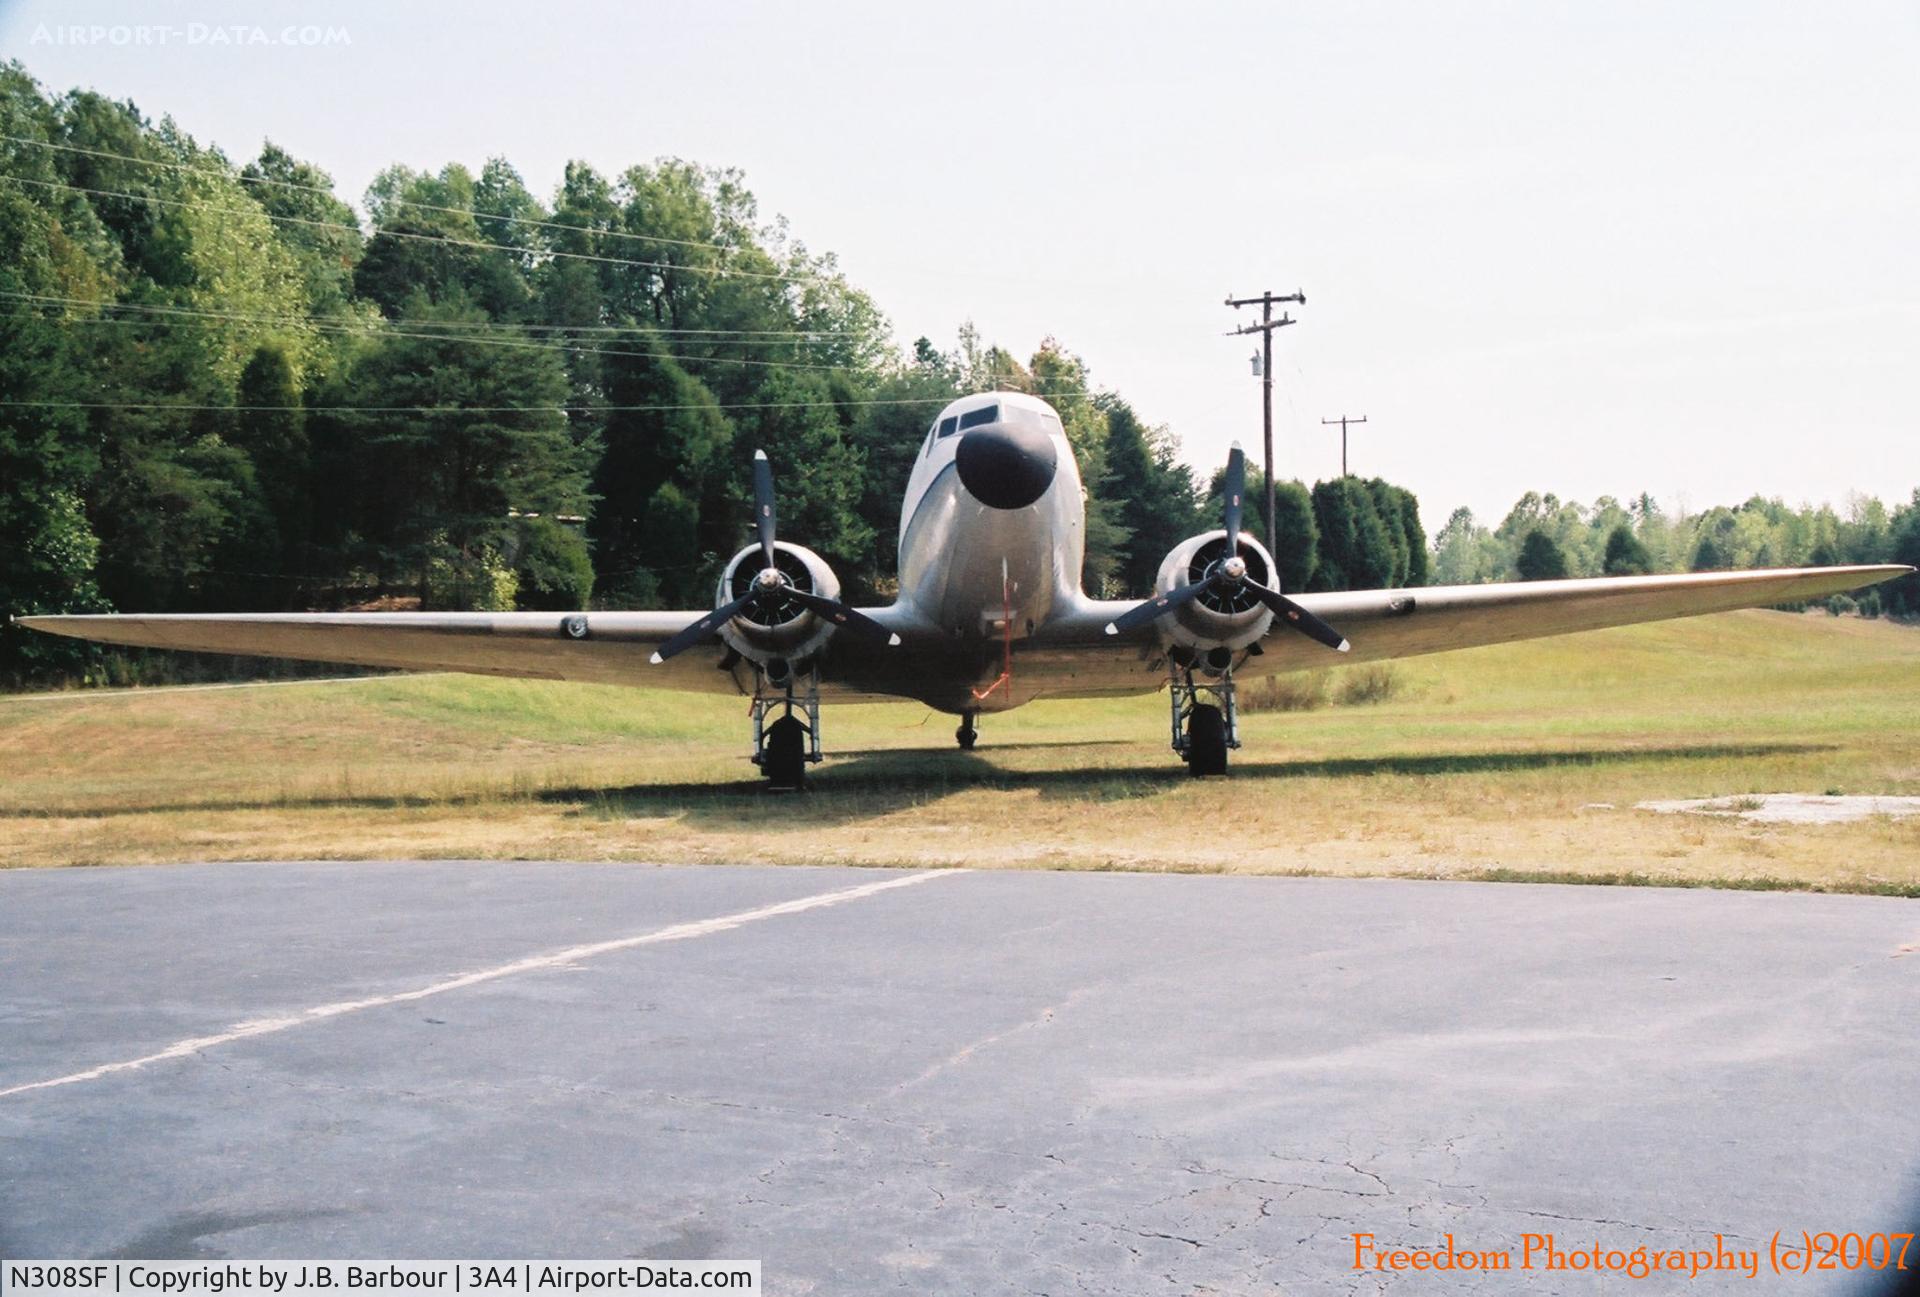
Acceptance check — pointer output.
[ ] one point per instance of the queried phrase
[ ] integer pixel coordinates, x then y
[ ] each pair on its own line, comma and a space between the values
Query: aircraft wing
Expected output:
597, 647
1072, 655
1383, 624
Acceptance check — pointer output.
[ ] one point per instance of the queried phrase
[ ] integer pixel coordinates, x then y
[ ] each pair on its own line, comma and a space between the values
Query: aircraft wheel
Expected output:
1206, 741
968, 733
785, 754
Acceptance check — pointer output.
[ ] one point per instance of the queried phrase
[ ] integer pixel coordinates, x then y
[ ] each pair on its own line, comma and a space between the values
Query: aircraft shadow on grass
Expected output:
880, 782
876, 781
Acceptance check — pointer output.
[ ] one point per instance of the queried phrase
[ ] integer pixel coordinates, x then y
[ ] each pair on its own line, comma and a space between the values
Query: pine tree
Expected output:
270, 429
657, 468
816, 468
1708, 556
1540, 558
1154, 492
1626, 556
1356, 552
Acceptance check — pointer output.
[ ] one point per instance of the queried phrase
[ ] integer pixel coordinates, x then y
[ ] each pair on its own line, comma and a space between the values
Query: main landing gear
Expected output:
1206, 719
969, 732
786, 745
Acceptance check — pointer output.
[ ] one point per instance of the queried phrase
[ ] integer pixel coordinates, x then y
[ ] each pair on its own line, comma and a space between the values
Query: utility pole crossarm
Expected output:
1297, 298
1343, 421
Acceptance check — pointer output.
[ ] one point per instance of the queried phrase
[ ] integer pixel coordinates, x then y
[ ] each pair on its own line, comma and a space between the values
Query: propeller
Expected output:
1227, 578
771, 586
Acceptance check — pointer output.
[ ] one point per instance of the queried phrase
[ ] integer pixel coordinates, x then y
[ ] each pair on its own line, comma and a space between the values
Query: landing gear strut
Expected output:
786, 745
1206, 719
969, 731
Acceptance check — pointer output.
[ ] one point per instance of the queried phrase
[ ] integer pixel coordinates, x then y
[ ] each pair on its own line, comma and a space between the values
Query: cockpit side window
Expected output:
948, 424
974, 418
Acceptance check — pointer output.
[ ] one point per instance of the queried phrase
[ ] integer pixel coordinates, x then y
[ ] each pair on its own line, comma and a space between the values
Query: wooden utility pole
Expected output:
1265, 327
1343, 421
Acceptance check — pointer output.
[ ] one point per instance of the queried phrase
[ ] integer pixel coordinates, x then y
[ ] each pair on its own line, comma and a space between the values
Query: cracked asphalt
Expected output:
977, 1082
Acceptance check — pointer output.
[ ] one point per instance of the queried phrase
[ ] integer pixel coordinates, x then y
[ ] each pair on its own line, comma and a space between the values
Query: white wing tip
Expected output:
893, 641
1112, 629
656, 659
1342, 647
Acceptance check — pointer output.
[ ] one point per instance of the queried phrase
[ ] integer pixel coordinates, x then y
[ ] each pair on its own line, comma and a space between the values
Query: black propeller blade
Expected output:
1156, 607
1230, 574
841, 615
1299, 618
763, 503
1236, 490
772, 584
706, 626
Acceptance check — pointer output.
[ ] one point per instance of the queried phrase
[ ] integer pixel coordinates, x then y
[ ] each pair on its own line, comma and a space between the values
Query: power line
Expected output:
350, 328
1343, 421
770, 336
441, 240
664, 330
562, 407
179, 314
340, 325
243, 178
500, 326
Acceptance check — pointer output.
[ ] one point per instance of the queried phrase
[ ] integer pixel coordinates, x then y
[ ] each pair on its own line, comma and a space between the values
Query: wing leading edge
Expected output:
596, 647
1383, 624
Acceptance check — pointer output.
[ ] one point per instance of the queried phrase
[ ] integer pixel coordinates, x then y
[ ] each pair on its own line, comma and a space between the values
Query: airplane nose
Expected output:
1005, 468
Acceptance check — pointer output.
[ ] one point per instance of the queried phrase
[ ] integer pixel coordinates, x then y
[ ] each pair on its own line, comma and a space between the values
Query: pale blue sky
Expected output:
1585, 249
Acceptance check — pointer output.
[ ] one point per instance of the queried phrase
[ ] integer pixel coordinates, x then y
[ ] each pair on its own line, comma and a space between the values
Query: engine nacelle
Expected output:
1228, 619
777, 635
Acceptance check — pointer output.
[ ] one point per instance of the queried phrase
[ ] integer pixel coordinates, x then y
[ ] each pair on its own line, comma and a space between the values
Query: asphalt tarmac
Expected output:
886, 1081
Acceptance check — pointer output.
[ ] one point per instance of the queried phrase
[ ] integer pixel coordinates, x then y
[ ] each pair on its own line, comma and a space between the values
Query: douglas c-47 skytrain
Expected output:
990, 613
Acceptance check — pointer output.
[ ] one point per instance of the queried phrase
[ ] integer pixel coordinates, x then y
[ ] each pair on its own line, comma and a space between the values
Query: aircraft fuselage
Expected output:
994, 521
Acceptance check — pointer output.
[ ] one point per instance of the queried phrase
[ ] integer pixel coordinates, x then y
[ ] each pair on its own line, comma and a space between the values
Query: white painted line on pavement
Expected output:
531, 964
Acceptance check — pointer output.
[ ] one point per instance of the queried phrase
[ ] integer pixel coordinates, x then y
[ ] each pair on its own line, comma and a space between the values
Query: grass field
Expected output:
1482, 763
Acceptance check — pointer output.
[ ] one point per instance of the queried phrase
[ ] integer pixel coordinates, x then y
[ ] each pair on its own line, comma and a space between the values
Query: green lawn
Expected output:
1485, 760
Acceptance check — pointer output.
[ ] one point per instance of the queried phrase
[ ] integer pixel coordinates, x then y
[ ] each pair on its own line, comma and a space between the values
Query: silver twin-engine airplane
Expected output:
990, 613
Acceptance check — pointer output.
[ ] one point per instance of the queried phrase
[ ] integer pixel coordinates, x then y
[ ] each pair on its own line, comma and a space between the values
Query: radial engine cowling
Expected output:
772, 629
1228, 617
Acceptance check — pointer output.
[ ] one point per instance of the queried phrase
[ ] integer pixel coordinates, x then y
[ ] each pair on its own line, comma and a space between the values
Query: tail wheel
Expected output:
785, 754
1206, 741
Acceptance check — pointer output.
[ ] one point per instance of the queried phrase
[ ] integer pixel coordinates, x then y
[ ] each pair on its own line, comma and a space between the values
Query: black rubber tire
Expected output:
1206, 741
785, 755
968, 735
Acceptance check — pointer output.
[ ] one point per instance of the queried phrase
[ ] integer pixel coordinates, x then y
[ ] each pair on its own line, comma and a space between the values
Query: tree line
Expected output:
1543, 537
222, 388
